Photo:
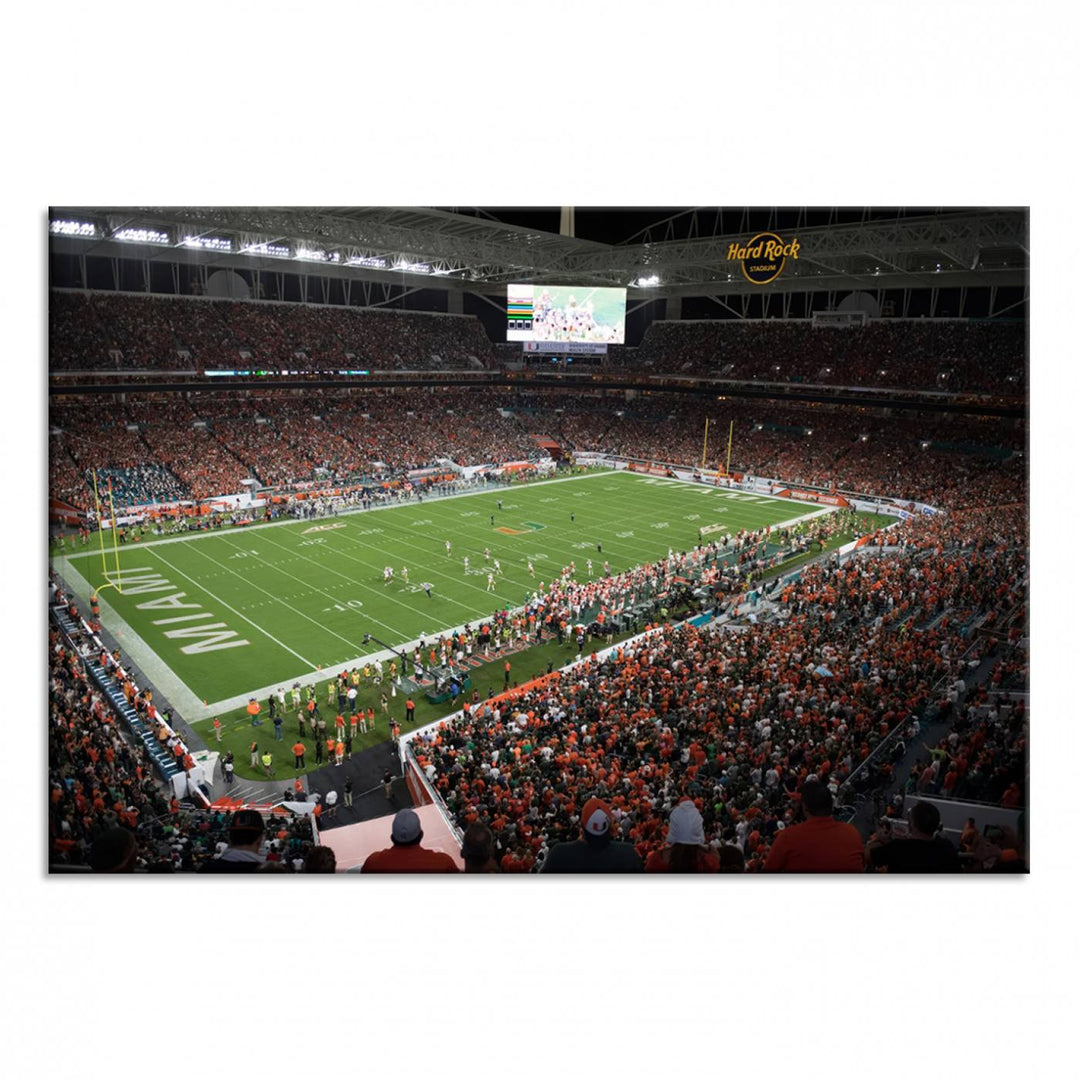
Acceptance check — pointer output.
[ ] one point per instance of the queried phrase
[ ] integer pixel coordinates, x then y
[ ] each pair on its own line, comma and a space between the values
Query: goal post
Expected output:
108, 583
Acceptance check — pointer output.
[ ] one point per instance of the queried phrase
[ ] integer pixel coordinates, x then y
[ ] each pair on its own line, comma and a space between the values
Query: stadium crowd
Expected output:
736, 722
119, 331
160, 449
107, 809
940, 355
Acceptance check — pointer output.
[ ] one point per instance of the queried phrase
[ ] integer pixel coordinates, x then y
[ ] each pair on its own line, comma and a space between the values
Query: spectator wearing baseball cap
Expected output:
595, 852
685, 851
820, 844
243, 853
406, 856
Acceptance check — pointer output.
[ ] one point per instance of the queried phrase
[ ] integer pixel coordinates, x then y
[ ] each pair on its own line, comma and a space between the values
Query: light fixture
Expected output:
207, 243
373, 262
278, 251
85, 229
141, 236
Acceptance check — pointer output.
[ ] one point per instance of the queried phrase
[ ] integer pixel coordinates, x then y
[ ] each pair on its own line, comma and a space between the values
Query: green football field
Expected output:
215, 617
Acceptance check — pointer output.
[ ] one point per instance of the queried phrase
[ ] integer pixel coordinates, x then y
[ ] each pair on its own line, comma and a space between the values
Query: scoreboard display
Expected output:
557, 314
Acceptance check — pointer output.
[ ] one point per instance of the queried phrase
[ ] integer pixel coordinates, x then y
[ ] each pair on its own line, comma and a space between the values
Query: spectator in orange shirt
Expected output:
820, 844
406, 856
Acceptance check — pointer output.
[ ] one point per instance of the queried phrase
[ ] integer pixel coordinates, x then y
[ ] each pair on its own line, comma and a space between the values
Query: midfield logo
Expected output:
325, 528
530, 526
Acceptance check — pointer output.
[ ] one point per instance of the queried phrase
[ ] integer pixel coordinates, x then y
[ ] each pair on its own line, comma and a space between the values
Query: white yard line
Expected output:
251, 585
361, 584
239, 614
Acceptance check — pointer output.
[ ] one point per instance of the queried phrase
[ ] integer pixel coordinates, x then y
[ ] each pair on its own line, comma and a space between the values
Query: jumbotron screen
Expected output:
558, 313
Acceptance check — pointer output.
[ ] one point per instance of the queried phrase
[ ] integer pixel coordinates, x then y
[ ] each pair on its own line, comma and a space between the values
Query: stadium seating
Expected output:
102, 331
122, 332
209, 444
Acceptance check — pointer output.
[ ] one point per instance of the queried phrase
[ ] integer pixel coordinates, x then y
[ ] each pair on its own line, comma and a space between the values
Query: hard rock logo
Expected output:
762, 258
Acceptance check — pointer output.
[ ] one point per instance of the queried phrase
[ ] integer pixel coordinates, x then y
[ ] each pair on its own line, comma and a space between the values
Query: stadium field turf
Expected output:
214, 617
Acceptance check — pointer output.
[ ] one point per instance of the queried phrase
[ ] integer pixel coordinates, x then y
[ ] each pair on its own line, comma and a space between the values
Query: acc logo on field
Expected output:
325, 528
762, 258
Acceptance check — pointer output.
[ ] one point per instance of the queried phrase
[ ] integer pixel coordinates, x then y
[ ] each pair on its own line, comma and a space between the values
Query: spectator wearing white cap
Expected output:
685, 851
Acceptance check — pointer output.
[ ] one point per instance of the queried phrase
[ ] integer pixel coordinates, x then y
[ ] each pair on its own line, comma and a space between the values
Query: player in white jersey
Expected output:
491, 583
448, 548
466, 564
532, 572
498, 568
405, 574
487, 554
588, 566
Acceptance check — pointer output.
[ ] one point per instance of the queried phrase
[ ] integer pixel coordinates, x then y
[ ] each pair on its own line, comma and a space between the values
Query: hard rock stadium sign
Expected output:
762, 258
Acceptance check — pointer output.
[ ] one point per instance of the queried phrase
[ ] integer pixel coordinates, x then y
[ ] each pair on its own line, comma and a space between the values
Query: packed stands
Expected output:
119, 331
103, 784
736, 721
941, 355
207, 444
110, 331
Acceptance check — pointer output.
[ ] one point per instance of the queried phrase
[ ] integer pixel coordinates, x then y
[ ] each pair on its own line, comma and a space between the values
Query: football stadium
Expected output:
538, 540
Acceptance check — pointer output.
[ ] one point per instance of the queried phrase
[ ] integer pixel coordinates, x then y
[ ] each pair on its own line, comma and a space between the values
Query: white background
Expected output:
676, 104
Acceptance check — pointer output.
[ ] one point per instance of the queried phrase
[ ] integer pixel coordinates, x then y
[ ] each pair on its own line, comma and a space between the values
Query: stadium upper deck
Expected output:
103, 332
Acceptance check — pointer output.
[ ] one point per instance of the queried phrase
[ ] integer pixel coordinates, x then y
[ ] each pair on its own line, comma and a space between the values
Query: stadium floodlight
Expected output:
277, 251
87, 230
648, 282
141, 236
207, 243
373, 262
412, 267
318, 255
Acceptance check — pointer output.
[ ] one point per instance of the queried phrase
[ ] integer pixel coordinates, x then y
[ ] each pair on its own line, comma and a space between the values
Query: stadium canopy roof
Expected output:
475, 251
